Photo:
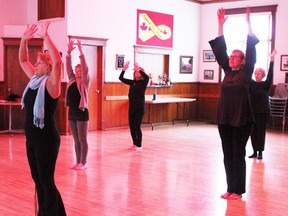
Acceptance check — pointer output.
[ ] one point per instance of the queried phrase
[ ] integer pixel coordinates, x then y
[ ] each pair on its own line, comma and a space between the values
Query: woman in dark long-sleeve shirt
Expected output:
136, 102
259, 95
235, 115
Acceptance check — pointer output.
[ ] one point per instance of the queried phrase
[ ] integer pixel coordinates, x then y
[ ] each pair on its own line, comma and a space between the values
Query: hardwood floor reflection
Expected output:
179, 172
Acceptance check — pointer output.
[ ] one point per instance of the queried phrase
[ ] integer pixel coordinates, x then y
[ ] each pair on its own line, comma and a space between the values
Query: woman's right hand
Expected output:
29, 32
126, 65
221, 16
70, 45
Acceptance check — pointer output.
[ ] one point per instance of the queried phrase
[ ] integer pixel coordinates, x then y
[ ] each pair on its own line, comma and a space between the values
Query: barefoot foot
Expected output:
234, 196
225, 195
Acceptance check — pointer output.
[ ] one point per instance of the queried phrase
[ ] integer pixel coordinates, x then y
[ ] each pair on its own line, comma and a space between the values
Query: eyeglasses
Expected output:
234, 56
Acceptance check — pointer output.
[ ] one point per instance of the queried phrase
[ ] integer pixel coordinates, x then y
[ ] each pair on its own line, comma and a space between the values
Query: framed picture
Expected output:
208, 56
186, 64
284, 63
209, 74
120, 59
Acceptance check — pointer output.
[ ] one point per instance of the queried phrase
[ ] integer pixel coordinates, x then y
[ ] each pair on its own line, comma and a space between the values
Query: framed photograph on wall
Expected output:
120, 60
186, 64
208, 56
284, 63
208, 74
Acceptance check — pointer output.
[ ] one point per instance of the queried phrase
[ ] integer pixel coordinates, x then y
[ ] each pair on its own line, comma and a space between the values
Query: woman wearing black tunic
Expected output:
136, 102
235, 117
40, 99
259, 95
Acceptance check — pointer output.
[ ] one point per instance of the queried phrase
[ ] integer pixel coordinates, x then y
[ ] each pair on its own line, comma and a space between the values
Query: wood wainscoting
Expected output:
117, 103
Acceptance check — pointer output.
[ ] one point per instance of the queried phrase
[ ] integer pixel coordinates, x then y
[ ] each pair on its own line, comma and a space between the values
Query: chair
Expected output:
278, 109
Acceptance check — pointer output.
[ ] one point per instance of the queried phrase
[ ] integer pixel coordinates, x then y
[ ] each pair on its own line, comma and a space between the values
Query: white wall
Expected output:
116, 21
209, 20
194, 26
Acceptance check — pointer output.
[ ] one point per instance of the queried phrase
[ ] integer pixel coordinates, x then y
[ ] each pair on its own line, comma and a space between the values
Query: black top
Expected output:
136, 91
259, 93
234, 103
72, 100
50, 131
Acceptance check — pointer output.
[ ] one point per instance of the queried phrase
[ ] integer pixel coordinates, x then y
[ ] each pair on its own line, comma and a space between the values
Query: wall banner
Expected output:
154, 29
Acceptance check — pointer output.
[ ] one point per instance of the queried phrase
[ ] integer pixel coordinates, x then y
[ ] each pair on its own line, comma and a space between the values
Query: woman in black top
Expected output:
136, 102
40, 99
235, 115
77, 101
259, 95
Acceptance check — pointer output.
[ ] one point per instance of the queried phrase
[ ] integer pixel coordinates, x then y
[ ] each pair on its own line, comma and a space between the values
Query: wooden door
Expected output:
90, 53
14, 77
93, 50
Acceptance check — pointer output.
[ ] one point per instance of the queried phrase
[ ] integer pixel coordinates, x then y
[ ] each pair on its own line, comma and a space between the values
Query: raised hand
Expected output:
44, 29
29, 32
79, 46
221, 16
136, 66
126, 65
272, 54
70, 45
248, 14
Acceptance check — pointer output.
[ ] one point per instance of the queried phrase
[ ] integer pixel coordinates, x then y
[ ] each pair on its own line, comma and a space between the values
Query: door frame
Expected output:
100, 44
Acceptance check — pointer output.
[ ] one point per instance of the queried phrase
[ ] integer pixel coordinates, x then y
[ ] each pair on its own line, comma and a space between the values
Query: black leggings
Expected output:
135, 120
234, 140
42, 156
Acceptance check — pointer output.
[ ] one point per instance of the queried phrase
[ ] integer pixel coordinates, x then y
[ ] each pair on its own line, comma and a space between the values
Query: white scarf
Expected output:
39, 104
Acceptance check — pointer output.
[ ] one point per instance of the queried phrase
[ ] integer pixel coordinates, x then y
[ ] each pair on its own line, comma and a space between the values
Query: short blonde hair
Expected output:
46, 58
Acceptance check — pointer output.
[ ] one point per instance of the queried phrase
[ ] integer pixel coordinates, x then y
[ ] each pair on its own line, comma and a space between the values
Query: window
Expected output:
263, 25
48, 9
155, 61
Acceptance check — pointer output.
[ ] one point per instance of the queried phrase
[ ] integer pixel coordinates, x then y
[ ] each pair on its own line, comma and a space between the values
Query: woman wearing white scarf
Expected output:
40, 99
77, 101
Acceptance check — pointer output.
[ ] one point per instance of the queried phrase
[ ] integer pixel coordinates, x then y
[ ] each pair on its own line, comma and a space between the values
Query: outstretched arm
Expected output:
221, 21
54, 81
85, 75
24, 61
69, 69
121, 77
269, 79
250, 32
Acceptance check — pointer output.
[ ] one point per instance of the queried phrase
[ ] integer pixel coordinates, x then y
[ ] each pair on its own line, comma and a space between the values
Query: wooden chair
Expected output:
278, 108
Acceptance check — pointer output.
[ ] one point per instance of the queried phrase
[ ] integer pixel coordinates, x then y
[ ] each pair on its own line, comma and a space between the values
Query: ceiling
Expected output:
212, 1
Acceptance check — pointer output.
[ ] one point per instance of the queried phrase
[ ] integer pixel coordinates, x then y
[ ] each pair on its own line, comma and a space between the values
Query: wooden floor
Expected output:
179, 172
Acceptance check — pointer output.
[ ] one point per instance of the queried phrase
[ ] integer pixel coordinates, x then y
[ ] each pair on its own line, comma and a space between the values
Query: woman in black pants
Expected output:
136, 102
40, 99
259, 95
235, 117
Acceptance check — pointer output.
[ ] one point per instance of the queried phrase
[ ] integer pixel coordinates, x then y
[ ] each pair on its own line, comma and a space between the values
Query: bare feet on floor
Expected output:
231, 196
225, 195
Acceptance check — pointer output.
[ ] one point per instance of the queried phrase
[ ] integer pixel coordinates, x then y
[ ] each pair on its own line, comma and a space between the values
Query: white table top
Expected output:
169, 100
8, 103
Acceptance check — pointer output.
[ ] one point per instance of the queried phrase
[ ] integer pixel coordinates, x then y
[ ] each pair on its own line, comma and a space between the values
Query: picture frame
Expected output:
120, 60
284, 63
208, 74
186, 64
208, 56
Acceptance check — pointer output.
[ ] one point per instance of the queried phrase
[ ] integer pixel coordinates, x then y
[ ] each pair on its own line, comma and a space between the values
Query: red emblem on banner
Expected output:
154, 29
